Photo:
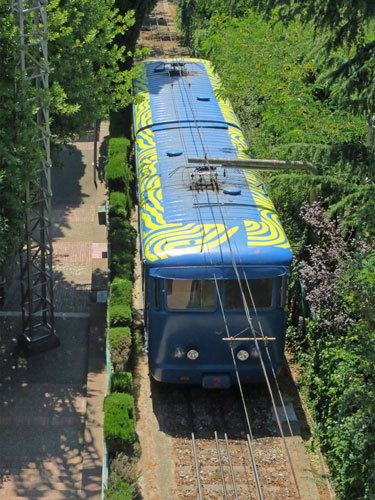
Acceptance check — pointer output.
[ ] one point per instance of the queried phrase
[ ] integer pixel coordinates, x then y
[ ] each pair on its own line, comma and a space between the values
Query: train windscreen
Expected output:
261, 291
190, 294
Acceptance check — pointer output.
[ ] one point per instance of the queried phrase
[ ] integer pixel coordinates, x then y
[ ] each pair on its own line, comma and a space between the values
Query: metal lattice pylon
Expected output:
36, 253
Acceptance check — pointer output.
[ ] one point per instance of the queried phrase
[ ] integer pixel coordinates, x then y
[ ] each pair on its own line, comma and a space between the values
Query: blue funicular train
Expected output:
210, 236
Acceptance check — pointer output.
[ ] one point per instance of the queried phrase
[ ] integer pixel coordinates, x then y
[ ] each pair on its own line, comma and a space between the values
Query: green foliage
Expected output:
118, 146
129, 38
121, 292
122, 238
119, 421
339, 360
116, 173
120, 342
349, 28
119, 174
120, 315
83, 32
118, 124
122, 382
119, 490
272, 78
117, 204
19, 150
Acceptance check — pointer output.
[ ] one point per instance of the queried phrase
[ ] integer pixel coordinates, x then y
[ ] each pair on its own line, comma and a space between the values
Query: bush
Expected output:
120, 315
122, 236
117, 205
123, 266
122, 382
122, 239
120, 342
118, 146
119, 420
121, 292
115, 173
119, 491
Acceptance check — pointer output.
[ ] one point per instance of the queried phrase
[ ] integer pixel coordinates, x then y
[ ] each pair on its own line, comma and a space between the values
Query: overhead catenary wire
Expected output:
182, 138
204, 148
241, 290
252, 459
247, 309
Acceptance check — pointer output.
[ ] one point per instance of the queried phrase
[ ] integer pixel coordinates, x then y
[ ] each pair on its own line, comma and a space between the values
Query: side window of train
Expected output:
191, 294
258, 291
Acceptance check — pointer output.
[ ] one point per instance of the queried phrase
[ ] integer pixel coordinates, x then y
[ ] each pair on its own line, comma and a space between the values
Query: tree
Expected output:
344, 25
86, 80
18, 147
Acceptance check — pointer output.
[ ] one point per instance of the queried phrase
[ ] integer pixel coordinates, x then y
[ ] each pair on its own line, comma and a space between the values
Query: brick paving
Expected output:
72, 251
51, 404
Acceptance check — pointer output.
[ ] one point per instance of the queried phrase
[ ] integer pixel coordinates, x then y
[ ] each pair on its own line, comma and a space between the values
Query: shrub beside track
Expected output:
119, 412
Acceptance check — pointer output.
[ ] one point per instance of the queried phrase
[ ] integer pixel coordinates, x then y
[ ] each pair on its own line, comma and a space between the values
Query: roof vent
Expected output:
174, 152
233, 191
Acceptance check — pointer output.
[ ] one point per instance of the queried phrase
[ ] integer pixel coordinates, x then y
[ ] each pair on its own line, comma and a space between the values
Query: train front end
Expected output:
200, 332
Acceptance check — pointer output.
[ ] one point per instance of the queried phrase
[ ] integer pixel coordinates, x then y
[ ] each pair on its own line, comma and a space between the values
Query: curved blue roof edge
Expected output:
193, 123
219, 273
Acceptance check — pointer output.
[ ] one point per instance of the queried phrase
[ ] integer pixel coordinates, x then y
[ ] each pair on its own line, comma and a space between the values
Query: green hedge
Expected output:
117, 205
119, 421
120, 315
122, 235
121, 292
119, 491
122, 382
122, 239
118, 175
118, 146
120, 341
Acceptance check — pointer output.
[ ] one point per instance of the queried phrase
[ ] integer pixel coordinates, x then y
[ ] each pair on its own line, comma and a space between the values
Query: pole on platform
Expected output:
38, 331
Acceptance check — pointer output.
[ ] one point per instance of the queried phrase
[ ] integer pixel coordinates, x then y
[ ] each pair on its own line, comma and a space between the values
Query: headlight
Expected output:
242, 355
254, 352
193, 354
179, 352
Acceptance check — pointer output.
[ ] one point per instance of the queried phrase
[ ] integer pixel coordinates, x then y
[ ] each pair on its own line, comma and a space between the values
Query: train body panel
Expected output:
203, 230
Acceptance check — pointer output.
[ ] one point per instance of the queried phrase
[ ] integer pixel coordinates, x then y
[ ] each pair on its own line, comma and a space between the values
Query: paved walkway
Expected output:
51, 404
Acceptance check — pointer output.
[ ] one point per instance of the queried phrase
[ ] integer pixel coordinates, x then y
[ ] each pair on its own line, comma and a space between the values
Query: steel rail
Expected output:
200, 495
247, 312
249, 319
221, 467
255, 470
231, 467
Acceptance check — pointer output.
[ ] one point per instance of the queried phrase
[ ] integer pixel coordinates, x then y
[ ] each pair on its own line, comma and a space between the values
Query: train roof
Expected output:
195, 215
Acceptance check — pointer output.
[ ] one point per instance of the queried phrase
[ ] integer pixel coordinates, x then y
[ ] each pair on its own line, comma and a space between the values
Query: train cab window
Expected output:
261, 291
190, 294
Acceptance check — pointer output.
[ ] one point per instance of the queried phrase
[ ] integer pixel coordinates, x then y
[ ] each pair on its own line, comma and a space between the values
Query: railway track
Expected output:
159, 33
216, 453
